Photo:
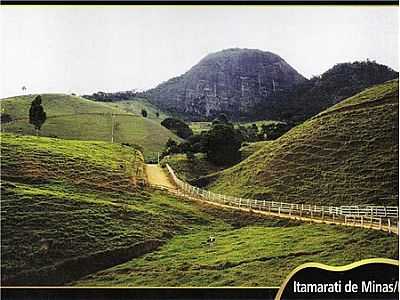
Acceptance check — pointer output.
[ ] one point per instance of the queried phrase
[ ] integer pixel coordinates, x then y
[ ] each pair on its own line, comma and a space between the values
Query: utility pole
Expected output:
158, 158
112, 128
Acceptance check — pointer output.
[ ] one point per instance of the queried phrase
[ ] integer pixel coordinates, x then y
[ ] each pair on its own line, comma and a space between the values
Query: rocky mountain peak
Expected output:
233, 81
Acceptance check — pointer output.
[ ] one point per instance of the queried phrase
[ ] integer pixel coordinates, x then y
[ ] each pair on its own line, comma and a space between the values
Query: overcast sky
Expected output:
84, 49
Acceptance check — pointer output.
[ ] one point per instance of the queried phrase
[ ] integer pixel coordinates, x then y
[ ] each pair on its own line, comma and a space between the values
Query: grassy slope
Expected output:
252, 148
75, 197
252, 254
190, 169
345, 155
73, 117
136, 105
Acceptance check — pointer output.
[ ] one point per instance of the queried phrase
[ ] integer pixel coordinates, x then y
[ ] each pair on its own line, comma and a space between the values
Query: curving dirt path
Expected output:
157, 177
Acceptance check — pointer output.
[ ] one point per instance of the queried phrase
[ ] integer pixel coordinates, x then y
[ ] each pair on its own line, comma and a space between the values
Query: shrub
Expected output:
177, 126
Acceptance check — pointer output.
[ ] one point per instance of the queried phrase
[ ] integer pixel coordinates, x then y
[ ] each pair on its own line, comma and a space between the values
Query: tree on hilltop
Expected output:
37, 115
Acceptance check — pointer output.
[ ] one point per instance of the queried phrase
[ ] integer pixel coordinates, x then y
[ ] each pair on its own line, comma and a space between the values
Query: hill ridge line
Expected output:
353, 107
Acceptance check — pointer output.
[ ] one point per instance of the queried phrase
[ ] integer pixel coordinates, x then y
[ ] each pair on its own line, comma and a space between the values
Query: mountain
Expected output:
72, 117
233, 81
310, 97
248, 84
345, 155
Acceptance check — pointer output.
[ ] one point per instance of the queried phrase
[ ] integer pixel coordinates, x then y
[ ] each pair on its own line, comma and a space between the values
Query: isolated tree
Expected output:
157, 114
37, 115
144, 113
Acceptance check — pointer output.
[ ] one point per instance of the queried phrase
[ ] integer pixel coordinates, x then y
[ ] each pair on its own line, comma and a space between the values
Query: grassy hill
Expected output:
73, 208
251, 148
347, 154
69, 207
136, 105
72, 117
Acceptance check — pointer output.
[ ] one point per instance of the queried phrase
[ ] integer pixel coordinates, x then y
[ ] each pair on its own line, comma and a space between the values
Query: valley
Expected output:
91, 201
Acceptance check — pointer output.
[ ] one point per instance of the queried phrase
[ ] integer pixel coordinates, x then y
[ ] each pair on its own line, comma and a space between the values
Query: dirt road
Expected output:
156, 176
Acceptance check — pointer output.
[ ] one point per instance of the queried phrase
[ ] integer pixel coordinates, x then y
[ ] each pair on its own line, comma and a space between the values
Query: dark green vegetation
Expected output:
177, 126
37, 115
190, 169
247, 254
71, 117
310, 97
221, 140
112, 97
345, 155
221, 144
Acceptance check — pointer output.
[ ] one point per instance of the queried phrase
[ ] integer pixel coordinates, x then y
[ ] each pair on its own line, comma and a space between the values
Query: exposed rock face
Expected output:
233, 81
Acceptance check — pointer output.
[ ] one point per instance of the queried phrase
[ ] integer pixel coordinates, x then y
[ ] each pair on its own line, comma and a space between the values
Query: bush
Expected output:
5, 118
177, 126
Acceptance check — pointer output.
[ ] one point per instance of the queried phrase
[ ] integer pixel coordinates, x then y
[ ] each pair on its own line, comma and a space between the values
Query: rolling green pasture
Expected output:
250, 255
71, 117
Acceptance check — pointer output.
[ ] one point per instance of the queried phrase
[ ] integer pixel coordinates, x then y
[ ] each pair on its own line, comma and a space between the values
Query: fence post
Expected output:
380, 223
389, 227
362, 221
345, 220
279, 210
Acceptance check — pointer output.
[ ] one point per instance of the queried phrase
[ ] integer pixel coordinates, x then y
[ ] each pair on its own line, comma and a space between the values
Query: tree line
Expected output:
222, 142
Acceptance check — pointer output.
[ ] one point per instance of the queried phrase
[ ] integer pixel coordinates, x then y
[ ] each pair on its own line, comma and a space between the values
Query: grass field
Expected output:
64, 199
345, 155
252, 148
71, 117
252, 254
135, 107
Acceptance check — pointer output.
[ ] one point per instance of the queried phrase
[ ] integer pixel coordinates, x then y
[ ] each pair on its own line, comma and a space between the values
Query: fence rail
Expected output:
377, 217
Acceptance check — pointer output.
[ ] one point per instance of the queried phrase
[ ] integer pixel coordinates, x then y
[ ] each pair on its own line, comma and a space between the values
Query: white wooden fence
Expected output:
377, 217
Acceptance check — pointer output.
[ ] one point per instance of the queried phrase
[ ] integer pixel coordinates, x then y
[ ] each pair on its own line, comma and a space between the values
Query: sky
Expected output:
84, 49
